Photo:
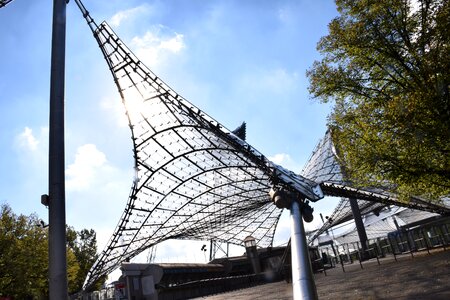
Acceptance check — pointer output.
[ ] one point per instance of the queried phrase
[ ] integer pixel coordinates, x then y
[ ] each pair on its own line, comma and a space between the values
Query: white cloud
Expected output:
280, 158
81, 174
115, 108
123, 15
276, 81
27, 140
156, 44
174, 44
286, 161
284, 14
279, 80
97, 191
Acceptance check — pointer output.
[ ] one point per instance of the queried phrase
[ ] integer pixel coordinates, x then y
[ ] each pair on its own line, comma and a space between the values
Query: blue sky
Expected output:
236, 60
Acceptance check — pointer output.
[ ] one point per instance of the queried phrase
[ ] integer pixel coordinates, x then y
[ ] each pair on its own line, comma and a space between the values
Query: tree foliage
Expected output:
83, 245
24, 256
23, 259
386, 67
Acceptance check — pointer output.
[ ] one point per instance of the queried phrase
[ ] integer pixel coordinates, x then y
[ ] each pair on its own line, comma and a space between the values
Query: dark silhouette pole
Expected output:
359, 227
56, 201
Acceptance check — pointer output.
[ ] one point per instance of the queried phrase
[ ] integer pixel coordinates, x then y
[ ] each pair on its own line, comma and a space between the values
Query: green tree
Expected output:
83, 245
386, 67
24, 256
73, 272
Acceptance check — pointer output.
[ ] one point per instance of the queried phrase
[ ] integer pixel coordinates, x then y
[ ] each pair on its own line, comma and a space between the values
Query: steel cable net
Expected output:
381, 225
408, 216
4, 2
324, 168
373, 231
194, 179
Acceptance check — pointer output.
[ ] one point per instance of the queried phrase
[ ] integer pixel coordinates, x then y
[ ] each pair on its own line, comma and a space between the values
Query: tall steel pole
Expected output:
303, 285
359, 227
57, 207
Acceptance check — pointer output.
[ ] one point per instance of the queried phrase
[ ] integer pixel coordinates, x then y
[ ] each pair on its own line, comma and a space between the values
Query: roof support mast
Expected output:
303, 285
360, 227
58, 288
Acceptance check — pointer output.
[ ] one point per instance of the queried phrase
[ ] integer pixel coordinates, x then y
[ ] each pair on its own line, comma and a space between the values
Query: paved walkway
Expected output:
422, 277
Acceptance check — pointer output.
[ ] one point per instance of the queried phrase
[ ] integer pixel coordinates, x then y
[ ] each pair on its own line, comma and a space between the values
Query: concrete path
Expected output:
423, 277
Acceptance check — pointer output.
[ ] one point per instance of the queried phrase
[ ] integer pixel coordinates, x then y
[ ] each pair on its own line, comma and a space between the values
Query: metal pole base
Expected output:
302, 277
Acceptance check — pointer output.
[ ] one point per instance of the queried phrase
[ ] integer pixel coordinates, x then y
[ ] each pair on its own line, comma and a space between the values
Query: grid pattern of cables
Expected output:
197, 180
194, 179
4, 2
324, 168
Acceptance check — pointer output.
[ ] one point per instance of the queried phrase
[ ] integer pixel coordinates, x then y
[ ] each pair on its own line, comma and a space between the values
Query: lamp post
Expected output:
332, 234
203, 249
252, 253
